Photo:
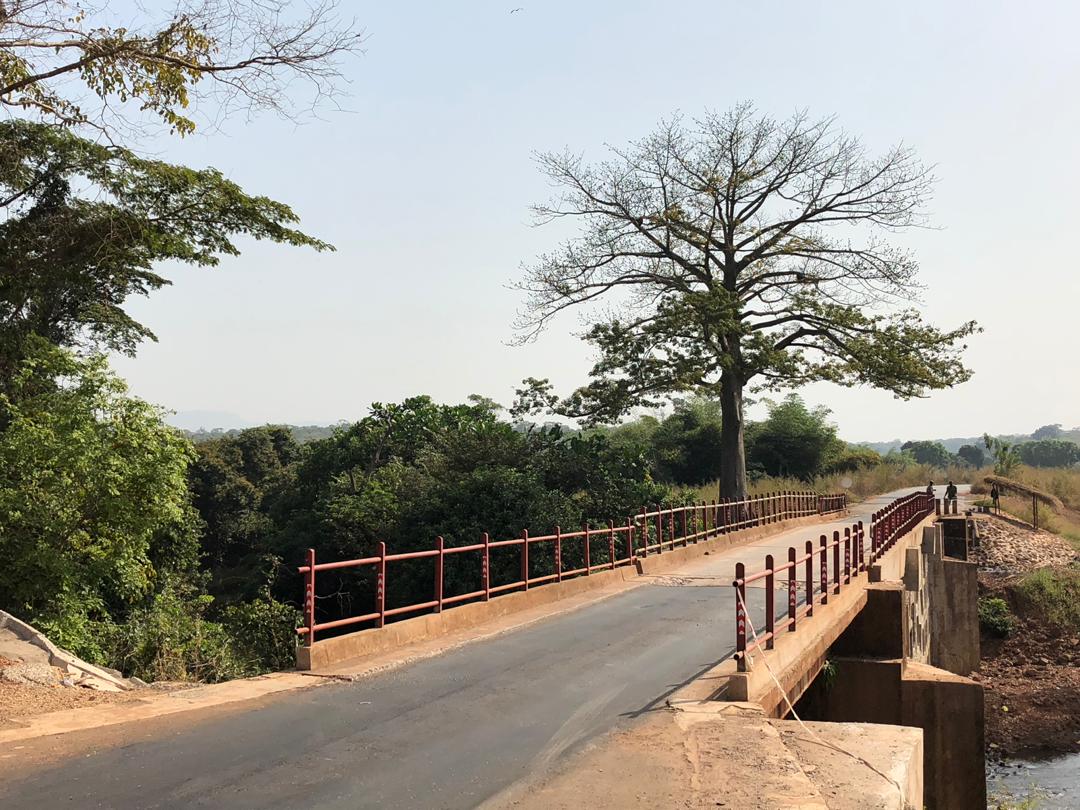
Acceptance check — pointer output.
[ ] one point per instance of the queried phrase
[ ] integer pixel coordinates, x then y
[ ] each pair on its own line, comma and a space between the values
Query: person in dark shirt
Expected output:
950, 492
995, 495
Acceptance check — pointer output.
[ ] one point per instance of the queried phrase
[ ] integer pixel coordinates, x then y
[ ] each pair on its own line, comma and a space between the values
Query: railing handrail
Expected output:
886, 527
653, 529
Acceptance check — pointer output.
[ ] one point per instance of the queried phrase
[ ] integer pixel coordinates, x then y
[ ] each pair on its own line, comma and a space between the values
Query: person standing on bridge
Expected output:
930, 489
950, 492
995, 497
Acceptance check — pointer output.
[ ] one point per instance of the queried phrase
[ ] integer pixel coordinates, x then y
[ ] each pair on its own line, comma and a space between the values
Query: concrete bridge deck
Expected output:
450, 731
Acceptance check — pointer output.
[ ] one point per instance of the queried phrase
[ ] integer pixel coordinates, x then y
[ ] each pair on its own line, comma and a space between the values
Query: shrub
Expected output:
170, 639
994, 616
263, 633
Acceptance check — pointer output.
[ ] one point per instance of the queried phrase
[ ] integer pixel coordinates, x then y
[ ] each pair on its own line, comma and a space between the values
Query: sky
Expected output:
423, 184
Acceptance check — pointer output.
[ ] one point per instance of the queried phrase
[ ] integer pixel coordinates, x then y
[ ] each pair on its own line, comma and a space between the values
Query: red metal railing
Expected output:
809, 571
651, 531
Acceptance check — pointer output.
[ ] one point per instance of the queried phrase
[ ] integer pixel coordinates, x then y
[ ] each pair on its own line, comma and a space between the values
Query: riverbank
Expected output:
1030, 667
1031, 673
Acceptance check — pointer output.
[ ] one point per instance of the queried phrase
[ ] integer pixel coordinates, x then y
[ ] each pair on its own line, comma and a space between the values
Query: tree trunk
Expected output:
732, 449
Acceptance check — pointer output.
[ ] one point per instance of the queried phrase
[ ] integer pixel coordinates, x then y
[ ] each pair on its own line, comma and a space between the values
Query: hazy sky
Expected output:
424, 186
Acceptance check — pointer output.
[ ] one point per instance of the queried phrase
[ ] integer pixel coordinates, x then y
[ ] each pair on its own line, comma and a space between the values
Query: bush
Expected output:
263, 633
171, 640
994, 617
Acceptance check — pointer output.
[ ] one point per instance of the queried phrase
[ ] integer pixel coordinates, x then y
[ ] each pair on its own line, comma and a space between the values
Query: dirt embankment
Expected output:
1031, 676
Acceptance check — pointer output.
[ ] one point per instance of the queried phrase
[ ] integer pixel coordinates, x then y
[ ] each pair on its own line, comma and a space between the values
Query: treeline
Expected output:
1046, 452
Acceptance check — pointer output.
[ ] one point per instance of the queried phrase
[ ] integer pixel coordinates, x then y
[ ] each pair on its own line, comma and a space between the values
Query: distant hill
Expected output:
208, 420
955, 443
302, 433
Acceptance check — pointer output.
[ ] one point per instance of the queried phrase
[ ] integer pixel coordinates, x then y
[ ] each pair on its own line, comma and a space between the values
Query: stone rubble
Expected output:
1007, 547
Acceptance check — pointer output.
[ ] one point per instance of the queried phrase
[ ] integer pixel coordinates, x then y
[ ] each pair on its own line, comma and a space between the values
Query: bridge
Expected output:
464, 705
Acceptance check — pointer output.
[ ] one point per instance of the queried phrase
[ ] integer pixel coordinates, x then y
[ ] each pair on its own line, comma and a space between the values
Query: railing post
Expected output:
847, 555
588, 556
770, 602
630, 540
824, 542
525, 558
485, 568
645, 532
611, 543
558, 554
440, 546
659, 530
836, 559
740, 615
809, 577
861, 560
380, 585
792, 588
309, 598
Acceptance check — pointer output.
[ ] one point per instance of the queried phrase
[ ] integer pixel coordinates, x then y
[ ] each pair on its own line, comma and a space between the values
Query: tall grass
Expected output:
1061, 482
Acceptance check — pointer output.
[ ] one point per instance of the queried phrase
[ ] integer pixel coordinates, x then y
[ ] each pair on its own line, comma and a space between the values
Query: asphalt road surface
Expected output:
445, 732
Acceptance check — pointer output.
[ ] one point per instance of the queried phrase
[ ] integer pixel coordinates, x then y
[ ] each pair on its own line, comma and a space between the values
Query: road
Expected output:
445, 732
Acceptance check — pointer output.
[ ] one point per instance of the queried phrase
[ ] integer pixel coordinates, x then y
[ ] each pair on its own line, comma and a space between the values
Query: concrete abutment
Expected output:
902, 662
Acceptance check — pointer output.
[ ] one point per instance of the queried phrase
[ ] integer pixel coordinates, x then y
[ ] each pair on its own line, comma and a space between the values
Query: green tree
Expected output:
852, 458
744, 250
932, 454
89, 477
972, 455
58, 57
794, 440
233, 481
1049, 453
1047, 432
686, 445
86, 225
1006, 458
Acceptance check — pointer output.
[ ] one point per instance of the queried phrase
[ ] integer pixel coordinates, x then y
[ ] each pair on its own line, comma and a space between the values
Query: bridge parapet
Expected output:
554, 557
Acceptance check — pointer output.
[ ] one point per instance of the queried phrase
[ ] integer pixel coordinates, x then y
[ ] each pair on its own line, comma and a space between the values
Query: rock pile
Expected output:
1008, 548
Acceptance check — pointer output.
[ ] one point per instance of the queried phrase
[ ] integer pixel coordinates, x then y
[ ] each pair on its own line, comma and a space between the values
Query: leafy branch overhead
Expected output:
84, 227
246, 51
743, 248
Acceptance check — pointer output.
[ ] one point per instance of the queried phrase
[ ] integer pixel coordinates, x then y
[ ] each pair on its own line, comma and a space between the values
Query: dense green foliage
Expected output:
995, 617
931, 453
99, 535
972, 455
89, 480
1004, 454
1049, 453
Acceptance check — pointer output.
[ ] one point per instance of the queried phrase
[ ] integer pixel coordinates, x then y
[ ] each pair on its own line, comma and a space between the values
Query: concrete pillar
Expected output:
949, 710
954, 614
947, 707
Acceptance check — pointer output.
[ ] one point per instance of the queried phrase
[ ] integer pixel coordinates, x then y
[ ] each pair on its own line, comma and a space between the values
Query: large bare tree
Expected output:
737, 250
